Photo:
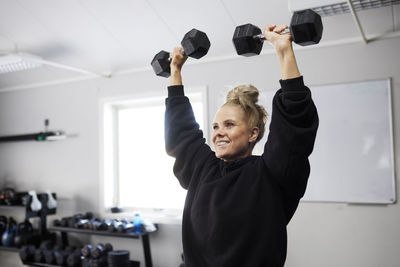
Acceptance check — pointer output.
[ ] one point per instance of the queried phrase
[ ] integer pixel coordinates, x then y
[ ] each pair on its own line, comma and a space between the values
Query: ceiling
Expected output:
123, 35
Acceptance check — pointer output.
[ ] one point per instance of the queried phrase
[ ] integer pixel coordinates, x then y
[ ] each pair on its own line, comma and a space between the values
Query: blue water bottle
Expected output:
137, 224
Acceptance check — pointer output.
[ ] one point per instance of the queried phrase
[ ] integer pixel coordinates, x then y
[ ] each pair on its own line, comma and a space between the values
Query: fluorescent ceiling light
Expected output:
18, 62
23, 61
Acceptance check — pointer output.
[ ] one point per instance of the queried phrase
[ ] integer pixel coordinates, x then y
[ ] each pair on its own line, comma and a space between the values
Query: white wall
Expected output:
320, 234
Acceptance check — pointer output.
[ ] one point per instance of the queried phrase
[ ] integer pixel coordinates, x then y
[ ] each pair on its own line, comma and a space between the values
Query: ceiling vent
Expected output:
337, 7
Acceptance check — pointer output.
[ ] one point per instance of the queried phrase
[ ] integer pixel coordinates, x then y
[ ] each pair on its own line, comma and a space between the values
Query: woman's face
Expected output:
232, 137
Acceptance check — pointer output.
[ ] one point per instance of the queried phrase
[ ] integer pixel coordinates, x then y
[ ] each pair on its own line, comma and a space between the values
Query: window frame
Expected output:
108, 153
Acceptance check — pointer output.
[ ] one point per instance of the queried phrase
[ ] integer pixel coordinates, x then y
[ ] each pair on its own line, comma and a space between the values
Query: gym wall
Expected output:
320, 234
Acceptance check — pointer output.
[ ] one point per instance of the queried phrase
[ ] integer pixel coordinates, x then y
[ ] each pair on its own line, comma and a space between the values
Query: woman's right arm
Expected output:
183, 138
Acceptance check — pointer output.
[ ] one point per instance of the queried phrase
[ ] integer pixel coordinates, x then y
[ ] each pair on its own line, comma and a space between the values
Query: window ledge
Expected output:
152, 217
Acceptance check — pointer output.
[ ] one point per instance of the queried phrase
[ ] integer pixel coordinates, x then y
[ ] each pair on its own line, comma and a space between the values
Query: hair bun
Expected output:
243, 94
247, 97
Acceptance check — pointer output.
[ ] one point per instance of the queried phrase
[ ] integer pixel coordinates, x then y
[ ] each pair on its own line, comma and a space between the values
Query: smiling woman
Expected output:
238, 205
239, 124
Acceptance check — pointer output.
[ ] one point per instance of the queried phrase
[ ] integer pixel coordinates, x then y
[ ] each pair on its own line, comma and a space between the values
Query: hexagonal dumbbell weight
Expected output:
305, 27
195, 44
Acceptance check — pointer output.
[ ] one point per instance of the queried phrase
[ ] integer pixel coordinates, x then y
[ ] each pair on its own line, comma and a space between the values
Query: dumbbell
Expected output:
118, 258
41, 252
126, 227
100, 250
26, 253
74, 259
62, 256
195, 44
24, 234
305, 27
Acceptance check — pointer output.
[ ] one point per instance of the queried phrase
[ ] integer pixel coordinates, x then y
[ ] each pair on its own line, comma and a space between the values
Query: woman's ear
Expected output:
254, 134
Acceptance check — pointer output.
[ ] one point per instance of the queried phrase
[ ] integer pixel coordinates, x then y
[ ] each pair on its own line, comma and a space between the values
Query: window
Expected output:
137, 172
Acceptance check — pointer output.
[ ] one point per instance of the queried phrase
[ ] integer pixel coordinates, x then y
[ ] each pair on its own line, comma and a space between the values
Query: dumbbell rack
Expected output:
42, 214
144, 236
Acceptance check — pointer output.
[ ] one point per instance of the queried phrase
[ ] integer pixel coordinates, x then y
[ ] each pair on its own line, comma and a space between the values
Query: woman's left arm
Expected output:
293, 125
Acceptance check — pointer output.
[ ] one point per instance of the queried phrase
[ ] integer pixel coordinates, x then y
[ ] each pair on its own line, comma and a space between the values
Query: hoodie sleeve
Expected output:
183, 139
291, 139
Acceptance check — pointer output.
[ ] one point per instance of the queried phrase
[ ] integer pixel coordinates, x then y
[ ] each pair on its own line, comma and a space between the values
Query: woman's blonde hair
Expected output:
246, 96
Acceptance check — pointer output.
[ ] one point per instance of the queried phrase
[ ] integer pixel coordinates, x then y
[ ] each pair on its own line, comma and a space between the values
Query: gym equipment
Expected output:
7, 239
305, 26
24, 234
73, 220
26, 253
195, 44
126, 227
118, 258
61, 256
41, 252
85, 251
3, 224
101, 250
36, 205
51, 202
74, 259
50, 255
8, 196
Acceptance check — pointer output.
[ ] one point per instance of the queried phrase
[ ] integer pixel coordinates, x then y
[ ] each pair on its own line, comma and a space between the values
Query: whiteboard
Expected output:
353, 157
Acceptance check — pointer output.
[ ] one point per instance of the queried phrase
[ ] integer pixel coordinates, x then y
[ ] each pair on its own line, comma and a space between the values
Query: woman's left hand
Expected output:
280, 41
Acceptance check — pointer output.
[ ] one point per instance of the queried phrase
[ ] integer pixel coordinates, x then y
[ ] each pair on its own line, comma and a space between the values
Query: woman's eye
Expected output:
215, 127
229, 124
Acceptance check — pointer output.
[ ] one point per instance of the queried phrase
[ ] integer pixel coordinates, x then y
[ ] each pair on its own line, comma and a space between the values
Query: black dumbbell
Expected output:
100, 262
26, 253
195, 44
125, 227
43, 250
74, 259
86, 250
119, 258
100, 250
62, 256
305, 27
98, 225
51, 255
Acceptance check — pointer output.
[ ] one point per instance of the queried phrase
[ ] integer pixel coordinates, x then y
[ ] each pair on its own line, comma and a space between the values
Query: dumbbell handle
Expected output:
262, 37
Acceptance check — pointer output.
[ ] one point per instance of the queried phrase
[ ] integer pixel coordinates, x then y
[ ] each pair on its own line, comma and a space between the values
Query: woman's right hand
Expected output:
177, 59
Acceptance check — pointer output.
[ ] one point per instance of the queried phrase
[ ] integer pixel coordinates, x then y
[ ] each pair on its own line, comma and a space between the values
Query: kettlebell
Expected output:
23, 234
7, 239
36, 205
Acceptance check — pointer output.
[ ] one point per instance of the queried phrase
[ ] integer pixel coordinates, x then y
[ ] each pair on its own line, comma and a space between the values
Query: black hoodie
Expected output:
236, 212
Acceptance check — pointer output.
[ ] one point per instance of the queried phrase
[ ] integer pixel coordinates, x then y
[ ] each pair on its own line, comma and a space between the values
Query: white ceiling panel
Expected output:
112, 36
19, 27
134, 26
71, 24
208, 16
258, 12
